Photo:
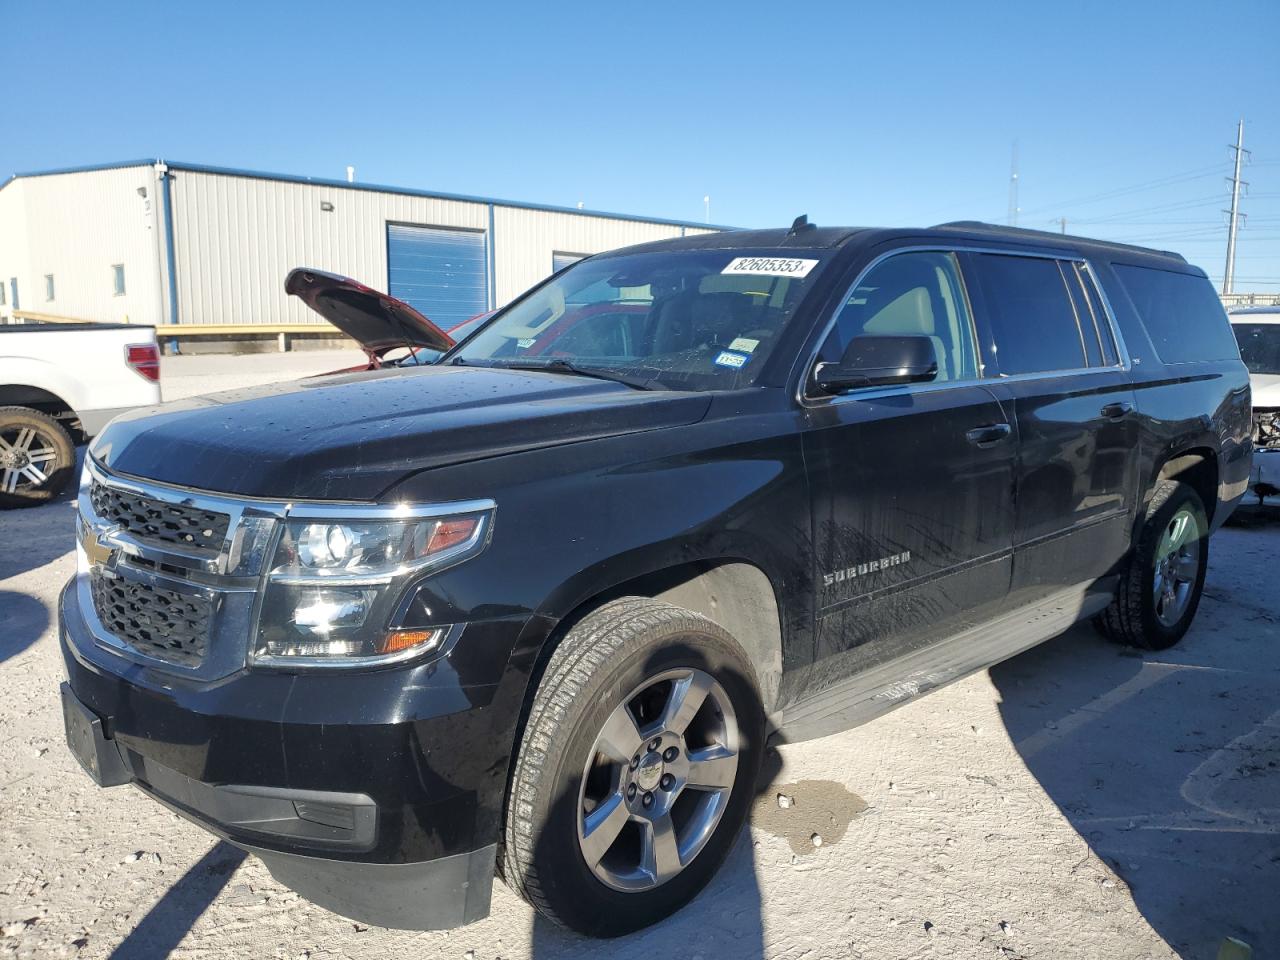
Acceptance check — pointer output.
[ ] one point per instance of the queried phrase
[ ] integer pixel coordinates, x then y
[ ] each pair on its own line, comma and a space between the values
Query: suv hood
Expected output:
352, 437
378, 322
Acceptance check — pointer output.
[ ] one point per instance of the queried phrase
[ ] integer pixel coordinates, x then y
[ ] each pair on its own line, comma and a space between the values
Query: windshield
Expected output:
1259, 346
683, 319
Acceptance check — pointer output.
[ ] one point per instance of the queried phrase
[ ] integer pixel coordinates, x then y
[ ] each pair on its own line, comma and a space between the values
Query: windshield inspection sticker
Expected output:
770, 266
525, 343
745, 344
727, 359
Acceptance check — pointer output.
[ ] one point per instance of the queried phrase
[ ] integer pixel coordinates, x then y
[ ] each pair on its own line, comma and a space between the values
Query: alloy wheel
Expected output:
658, 779
27, 458
1177, 564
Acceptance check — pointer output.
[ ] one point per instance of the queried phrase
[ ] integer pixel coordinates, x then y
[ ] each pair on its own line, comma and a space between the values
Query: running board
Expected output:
863, 697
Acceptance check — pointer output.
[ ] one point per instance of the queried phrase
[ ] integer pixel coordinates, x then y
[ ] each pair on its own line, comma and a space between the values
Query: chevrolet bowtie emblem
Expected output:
97, 551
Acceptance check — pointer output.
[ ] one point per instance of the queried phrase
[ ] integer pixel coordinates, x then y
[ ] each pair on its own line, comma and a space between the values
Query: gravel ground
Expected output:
1079, 800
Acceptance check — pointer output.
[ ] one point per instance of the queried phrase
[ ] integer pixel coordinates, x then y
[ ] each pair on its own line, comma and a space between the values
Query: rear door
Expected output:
911, 486
1056, 363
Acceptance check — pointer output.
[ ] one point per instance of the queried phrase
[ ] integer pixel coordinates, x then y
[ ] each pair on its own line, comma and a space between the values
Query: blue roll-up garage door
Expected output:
442, 273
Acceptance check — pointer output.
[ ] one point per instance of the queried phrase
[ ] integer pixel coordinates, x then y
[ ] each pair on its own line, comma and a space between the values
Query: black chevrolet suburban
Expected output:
536, 611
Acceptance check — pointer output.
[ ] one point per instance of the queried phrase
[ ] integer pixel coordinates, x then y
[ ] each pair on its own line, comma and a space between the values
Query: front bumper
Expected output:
377, 794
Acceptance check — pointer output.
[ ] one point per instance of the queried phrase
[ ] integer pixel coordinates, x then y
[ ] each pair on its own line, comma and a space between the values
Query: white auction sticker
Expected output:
727, 359
770, 266
744, 344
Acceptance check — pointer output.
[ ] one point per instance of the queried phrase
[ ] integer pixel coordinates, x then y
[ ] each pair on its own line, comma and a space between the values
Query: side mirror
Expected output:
879, 362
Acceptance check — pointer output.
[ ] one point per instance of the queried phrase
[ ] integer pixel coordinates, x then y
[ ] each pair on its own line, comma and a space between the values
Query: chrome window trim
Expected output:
1081, 301
1122, 350
1075, 312
810, 402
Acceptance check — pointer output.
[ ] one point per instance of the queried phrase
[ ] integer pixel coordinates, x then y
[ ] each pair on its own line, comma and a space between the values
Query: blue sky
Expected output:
885, 113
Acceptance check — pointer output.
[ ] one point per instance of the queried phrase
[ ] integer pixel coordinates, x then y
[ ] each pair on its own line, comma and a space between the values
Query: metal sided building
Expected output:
186, 244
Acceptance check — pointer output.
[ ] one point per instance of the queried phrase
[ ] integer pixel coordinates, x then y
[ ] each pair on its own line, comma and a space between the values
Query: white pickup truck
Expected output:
1257, 330
59, 385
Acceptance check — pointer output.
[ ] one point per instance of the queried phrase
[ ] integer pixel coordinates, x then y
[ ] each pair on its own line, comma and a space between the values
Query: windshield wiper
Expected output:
560, 365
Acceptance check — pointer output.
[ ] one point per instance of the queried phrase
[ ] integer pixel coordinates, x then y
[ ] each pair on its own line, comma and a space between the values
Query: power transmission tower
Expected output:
1013, 187
1229, 275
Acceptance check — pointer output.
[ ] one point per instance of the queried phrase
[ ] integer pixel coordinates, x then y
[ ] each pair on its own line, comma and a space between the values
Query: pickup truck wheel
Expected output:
37, 457
636, 769
1160, 589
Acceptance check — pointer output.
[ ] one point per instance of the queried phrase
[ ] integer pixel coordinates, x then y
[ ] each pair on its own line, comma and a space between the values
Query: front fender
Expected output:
576, 522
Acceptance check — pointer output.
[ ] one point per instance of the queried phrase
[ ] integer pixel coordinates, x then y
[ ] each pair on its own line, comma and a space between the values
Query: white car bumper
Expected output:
1266, 467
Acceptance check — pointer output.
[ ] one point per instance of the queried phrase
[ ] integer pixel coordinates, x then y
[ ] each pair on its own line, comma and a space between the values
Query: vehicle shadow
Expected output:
25, 620
164, 925
1168, 763
725, 920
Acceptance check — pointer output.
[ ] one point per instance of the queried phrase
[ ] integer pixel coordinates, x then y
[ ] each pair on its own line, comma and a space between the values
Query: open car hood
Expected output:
378, 322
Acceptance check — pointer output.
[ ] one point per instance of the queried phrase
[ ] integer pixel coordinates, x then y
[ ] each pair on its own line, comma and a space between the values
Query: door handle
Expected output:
990, 434
1116, 411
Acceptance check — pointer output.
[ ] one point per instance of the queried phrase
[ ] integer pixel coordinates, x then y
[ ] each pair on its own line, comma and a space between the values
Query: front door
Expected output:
911, 486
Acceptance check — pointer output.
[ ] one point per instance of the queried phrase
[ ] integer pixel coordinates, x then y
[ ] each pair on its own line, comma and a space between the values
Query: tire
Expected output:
614, 661
1138, 617
37, 457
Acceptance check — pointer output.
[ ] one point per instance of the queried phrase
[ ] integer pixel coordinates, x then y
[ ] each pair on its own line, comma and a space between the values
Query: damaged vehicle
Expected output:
1257, 330
535, 611
391, 332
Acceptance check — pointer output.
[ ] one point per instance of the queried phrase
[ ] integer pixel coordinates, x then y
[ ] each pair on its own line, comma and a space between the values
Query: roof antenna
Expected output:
800, 224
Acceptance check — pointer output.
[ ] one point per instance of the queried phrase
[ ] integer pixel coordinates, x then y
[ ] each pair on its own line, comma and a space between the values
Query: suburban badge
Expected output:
862, 569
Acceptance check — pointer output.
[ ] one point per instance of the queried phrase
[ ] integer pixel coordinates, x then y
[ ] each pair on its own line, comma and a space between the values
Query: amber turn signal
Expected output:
398, 640
449, 533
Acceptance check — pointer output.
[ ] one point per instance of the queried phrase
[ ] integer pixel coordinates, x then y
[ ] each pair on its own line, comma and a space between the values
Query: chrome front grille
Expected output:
155, 622
160, 523
168, 577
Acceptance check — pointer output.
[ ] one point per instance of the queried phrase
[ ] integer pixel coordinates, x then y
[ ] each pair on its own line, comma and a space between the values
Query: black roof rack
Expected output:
1048, 236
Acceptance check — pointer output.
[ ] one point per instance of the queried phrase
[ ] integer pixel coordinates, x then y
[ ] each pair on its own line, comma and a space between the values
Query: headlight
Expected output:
332, 586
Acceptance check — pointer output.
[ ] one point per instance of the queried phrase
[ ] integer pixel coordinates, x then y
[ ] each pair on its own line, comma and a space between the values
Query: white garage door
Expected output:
442, 273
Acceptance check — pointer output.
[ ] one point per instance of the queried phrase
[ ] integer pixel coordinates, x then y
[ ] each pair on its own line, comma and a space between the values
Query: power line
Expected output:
1158, 208
1187, 176
1173, 234
1249, 236
1175, 224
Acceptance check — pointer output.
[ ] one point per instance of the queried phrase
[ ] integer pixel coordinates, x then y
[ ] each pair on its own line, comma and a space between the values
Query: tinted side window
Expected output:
911, 294
1182, 314
1259, 346
1033, 322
